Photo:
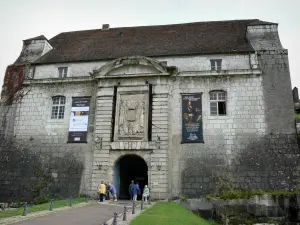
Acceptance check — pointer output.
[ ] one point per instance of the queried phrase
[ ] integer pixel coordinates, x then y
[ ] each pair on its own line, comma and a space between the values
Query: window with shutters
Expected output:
217, 103
216, 64
58, 107
62, 72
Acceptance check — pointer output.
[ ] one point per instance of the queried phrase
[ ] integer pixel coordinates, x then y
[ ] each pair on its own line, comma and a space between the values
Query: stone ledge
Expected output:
220, 73
133, 145
59, 80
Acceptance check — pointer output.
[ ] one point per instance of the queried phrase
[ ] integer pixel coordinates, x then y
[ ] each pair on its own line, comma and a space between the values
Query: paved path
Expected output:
94, 214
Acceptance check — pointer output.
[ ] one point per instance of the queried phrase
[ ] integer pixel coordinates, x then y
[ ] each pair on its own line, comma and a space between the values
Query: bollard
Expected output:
51, 205
115, 222
142, 203
71, 201
133, 208
25, 209
125, 213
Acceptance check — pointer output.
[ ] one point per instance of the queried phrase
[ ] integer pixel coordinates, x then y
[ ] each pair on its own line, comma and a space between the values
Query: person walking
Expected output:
146, 193
136, 191
107, 191
101, 191
131, 190
113, 191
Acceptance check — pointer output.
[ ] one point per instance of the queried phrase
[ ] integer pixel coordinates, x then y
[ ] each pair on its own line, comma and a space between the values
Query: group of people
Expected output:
104, 190
134, 191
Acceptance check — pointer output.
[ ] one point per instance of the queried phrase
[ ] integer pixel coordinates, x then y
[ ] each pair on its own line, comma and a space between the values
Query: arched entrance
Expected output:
128, 168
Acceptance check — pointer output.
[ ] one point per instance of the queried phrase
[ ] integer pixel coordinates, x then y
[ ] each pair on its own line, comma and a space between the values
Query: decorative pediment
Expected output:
131, 66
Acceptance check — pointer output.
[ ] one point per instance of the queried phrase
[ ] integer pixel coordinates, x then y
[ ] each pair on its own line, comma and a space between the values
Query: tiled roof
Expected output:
41, 37
162, 40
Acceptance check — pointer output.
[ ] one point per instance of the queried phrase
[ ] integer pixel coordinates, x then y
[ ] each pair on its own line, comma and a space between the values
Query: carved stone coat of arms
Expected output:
132, 116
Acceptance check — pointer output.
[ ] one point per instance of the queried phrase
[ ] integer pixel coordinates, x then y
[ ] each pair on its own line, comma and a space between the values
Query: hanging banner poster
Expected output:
192, 130
79, 118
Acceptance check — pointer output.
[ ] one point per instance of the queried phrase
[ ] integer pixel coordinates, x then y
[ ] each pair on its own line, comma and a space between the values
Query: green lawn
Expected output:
41, 207
168, 213
297, 117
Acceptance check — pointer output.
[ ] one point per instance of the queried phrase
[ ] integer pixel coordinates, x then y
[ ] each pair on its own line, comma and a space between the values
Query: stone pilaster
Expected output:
102, 136
159, 158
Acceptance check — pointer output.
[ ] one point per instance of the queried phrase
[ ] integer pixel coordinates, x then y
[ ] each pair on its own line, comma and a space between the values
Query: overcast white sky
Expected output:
20, 20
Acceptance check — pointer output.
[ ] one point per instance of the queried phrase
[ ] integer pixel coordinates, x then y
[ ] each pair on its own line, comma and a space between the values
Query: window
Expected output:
216, 64
62, 72
217, 103
58, 107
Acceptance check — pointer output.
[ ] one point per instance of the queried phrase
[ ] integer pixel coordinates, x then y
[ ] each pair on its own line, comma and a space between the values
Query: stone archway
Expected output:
127, 168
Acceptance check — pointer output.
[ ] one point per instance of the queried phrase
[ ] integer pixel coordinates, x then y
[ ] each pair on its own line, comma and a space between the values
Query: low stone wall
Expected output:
28, 173
298, 128
256, 209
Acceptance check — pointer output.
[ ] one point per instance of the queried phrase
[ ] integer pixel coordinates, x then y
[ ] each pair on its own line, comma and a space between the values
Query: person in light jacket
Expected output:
113, 191
146, 193
101, 191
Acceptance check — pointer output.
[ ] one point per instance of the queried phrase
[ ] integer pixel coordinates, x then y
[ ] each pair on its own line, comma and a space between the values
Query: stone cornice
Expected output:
59, 80
220, 73
181, 74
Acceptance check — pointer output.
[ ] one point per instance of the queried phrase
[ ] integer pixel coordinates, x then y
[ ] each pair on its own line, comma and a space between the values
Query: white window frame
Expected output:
214, 98
216, 64
62, 72
58, 107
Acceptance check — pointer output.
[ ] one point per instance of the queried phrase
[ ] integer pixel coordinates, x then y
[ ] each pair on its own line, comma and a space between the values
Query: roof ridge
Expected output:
164, 25
261, 22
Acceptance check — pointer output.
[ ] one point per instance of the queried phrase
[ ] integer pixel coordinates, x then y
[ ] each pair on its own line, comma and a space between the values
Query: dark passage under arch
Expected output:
130, 167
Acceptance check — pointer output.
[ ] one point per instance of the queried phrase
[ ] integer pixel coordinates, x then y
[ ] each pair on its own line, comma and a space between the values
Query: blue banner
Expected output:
192, 130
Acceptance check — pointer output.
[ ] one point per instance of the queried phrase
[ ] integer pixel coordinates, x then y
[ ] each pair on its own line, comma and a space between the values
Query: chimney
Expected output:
105, 26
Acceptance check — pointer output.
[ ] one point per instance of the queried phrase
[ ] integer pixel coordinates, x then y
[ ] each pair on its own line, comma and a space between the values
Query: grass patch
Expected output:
240, 194
297, 117
40, 207
169, 213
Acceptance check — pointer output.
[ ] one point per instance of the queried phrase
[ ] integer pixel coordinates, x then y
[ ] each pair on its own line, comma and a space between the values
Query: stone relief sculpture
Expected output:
131, 117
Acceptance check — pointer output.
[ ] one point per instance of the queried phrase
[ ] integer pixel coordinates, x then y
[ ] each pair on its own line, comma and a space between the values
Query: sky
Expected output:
20, 20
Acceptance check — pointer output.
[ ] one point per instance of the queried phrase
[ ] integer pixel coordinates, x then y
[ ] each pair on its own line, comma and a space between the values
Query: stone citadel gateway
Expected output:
171, 106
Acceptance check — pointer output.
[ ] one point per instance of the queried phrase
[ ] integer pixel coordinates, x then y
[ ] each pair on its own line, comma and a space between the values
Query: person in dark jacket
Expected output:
136, 191
107, 191
131, 190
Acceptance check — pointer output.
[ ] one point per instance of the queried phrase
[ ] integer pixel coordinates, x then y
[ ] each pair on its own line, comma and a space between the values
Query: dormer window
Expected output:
216, 64
62, 72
